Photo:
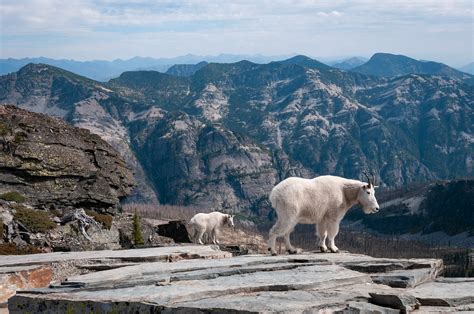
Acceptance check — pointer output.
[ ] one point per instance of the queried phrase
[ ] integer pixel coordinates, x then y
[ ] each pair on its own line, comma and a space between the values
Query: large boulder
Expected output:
52, 163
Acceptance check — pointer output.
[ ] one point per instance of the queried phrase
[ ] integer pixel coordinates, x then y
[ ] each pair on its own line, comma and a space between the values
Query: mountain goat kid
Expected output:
209, 223
322, 201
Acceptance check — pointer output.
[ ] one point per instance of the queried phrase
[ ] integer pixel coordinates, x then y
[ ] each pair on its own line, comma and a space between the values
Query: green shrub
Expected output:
104, 219
137, 233
4, 129
34, 220
13, 196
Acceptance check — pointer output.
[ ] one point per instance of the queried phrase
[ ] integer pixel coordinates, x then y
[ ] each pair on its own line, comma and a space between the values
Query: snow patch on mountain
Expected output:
152, 113
412, 203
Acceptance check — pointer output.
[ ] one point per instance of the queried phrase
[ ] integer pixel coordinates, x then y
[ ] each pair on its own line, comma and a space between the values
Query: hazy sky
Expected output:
440, 30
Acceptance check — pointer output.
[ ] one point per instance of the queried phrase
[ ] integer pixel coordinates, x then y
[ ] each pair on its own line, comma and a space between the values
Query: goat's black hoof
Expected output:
269, 249
274, 254
323, 250
292, 251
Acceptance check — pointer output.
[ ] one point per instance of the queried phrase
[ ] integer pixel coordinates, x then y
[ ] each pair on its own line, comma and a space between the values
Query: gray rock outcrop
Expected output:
54, 164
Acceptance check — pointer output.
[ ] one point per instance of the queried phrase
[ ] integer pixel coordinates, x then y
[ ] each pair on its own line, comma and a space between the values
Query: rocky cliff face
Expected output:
192, 163
52, 163
222, 137
80, 101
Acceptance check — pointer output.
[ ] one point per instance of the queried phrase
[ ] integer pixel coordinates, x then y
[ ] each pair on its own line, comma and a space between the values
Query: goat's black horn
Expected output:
368, 179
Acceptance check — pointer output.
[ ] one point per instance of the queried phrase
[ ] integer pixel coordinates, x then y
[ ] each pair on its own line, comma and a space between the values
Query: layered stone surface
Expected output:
205, 279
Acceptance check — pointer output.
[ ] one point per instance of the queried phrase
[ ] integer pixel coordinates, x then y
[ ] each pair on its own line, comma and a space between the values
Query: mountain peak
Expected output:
389, 65
305, 61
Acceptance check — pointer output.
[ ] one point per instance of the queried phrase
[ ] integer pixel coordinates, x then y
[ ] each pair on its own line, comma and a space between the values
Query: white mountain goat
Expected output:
322, 201
209, 223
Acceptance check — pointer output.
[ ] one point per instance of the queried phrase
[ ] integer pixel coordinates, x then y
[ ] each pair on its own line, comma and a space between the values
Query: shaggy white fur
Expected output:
209, 223
322, 201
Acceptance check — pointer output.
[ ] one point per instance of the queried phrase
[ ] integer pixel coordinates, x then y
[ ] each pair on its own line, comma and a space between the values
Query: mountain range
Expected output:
382, 64
223, 135
102, 70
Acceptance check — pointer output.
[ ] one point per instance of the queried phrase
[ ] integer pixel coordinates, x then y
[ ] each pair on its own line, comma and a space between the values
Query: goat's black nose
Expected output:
376, 209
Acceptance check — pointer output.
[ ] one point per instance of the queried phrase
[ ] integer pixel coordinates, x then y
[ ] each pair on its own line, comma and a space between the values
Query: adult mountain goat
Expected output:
209, 223
322, 201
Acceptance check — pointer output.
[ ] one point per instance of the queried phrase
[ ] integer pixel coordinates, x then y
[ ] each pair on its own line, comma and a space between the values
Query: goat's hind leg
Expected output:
289, 229
333, 230
322, 233
214, 234
198, 234
282, 228
276, 231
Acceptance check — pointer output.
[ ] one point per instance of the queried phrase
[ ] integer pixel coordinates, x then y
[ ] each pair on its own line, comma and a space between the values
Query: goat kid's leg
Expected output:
333, 230
199, 233
321, 232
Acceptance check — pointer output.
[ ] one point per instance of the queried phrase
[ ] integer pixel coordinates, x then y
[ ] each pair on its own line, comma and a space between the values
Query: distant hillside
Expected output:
185, 69
349, 63
446, 206
389, 65
468, 68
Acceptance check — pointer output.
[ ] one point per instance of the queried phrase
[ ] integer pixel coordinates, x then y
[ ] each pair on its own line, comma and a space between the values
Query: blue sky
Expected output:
441, 30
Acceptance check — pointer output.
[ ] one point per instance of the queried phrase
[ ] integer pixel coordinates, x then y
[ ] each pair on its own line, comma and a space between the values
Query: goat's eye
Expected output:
368, 192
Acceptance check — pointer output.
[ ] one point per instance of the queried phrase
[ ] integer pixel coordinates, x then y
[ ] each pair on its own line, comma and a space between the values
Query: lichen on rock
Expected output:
53, 163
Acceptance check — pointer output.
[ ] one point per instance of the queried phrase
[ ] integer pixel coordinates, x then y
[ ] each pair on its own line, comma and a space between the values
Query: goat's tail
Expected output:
272, 198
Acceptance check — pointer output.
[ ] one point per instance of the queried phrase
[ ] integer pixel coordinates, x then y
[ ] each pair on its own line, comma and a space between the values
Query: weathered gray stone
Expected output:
137, 255
364, 307
69, 166
300, 283
405, 278
446, 292
404, 302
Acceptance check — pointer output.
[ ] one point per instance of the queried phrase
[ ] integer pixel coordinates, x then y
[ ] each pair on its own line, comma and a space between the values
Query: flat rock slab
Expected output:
137, 255
452, 292
168, 279
406, 278
35, 271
